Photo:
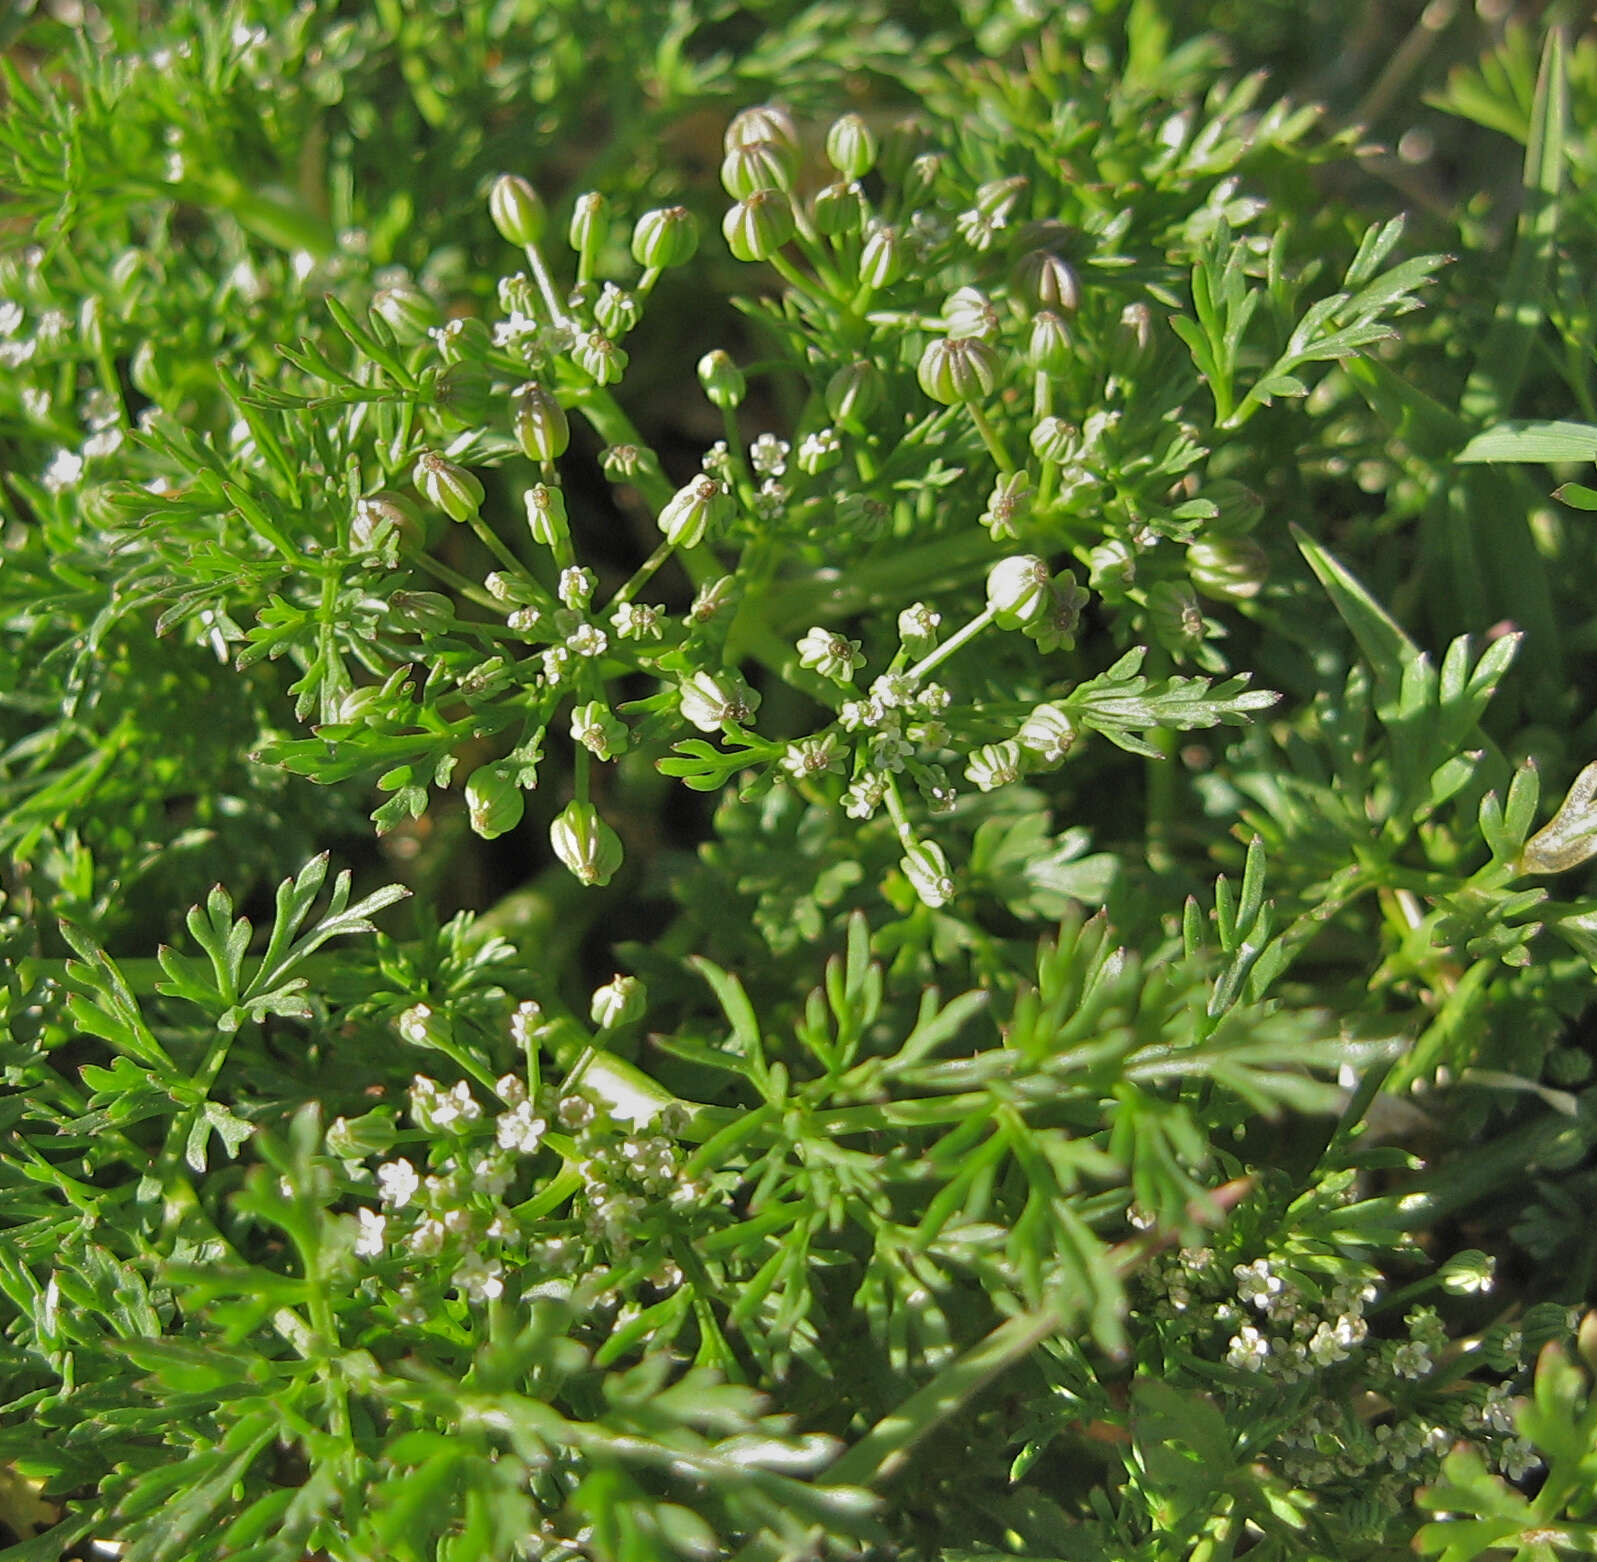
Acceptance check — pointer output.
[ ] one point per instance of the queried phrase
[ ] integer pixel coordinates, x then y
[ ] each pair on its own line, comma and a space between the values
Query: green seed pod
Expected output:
969, 312
765, 122
540, 422
1046, 281
616, 311
881, 262
588, 222
463, 339
691, 511
546, 515
958, 368
758, 226
1049, 349
424, 612
926, 868
516, 209
494, 802
994, 765
1228, 569
1053, 440
665, 237
1018, 591
854, 393
452, 488
1175, 617
837, 209
463, 393
586, 844
407, 311
722, 380
850, 146
620, 1001
598, 730
757, 165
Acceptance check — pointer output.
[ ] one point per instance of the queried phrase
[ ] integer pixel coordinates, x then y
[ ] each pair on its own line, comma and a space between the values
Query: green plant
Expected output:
965, 986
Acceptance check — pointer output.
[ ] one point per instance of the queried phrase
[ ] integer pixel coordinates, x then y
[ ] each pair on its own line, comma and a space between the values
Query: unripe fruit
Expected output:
452, 488
665, 237
850, 146
494, 802
689, 513
722, 380
407, 311
1018, 590
757, 227
958, 368
542, 429
516, 209
586, 844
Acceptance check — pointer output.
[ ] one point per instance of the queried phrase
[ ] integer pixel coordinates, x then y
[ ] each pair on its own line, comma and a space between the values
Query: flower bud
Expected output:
665, 237
1046, 281
407, 311
619, 1002
1132, 343
1048, 733
1112, 569
384, 520
494, 803
756, 165
587, 231
540, 422
765, 122
838, 208
425, 612
926, 868
710, 699
850, 146
1049, 349
958, 368
1018, 590
452, 488
1228, 569
546, 515
996, 199
690, 512
881, 262
516, 209
969, 312
902, 144
757, 227
854, 393
722, 380
585, 843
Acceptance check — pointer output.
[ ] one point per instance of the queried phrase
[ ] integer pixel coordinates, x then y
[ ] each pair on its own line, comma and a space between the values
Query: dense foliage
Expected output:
797, 780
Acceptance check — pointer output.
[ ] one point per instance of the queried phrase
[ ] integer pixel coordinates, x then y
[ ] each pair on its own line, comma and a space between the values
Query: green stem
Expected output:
995, 446
951, 644
546, 286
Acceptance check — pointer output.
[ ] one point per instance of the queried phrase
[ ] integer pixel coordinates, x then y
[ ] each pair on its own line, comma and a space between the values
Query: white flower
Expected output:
1411, 1360
588, 640
1248, 1349
768, 455
865, 796
812, 756
63, 471
398, 1183
831, 655
456, 1105
636, 621
10, 317
519, 1129
427, 1240
369, 1239
1257, 1283
1516, 1458
918, 622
